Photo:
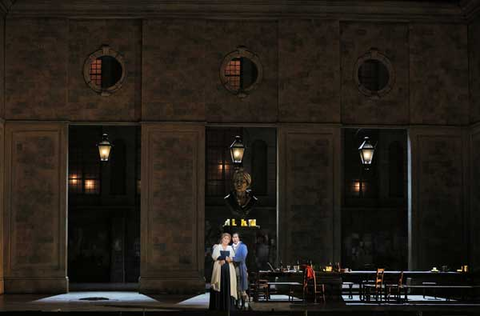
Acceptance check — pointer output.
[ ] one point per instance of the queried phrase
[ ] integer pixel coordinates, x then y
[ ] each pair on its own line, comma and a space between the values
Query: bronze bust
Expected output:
241, 200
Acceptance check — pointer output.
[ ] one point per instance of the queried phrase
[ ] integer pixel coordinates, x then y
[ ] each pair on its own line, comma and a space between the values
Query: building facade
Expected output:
172, 53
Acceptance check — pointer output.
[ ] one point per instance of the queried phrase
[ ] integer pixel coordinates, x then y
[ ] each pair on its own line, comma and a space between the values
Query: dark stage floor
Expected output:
134, 303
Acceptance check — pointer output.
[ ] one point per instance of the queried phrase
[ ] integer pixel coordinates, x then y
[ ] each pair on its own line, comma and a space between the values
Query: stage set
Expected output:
280, 157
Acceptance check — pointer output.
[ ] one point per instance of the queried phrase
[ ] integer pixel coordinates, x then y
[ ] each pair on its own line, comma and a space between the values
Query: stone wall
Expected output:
439, 74
391, 40
2, 172
2, 146
2, 68
309, 71
36, 69
309, 200
474, 59
173, 203
223, 37
173, 71
84, 38
438, 198
35, 208
474, 216
173, 76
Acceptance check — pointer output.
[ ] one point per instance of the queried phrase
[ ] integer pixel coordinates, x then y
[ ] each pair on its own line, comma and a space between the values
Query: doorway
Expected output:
103, 208
260, 161
375, 200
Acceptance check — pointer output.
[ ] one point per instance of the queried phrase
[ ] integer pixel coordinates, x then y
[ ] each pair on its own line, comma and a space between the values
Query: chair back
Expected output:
400, 280
379, 278
308, 275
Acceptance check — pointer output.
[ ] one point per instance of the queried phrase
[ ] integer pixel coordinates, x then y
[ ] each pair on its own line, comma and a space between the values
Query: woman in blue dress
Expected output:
224, 281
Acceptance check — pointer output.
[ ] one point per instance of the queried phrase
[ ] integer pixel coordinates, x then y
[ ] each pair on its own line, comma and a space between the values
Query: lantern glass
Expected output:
104, 148
366, 151
237, 149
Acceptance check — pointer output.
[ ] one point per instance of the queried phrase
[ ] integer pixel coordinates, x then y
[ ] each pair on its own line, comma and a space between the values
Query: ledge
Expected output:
432, 10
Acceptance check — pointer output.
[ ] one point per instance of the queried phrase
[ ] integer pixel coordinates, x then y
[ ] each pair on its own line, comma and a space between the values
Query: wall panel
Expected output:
309, 196
2, 67
36, 69
2, 201
223, 37
474, 60
474, 216
438, 198
84, 38
174, 70
35, 208
391, 40
309, 71
439, 74
173, 207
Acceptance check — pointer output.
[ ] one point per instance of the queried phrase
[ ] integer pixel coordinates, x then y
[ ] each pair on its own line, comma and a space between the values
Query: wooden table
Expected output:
438, 280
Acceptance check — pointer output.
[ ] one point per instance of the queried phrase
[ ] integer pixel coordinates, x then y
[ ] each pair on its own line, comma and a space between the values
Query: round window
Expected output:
374, 74
241, 72
104, 71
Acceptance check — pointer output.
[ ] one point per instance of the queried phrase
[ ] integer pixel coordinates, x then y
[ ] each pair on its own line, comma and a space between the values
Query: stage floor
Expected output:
124, 302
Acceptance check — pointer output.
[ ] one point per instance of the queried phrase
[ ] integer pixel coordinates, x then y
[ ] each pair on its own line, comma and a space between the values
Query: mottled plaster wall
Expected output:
84, 38
474, 54
309, 194
35, 212
2, 173
309, 71
439, 74
391, 40
172, 219
474, 216
223, 37
36, 69
173, 64
174, 70
438, 198
2, 68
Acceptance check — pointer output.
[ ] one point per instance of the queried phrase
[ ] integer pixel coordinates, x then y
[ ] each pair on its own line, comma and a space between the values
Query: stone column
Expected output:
35, 226
309, 194
437, 217
173, 207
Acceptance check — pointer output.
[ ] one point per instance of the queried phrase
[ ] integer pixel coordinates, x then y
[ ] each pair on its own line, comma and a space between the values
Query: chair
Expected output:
377, 286
427, 284
263, 289
258, 287
397, 288
310, 285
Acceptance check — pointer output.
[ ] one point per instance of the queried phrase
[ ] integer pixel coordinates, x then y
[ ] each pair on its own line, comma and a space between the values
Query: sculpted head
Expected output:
241, 180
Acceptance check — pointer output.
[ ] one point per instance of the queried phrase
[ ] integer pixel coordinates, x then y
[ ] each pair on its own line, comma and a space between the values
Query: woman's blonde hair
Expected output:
225, 234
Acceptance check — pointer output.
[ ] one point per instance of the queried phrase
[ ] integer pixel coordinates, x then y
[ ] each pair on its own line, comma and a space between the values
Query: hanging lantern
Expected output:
366, 151
104, 148
237, 149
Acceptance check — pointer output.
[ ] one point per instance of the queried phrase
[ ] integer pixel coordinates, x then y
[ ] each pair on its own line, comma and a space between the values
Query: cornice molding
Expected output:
5, 6
432, 10
470, 9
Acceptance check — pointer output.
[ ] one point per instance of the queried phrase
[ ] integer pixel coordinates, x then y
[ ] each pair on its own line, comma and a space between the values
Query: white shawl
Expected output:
216, 274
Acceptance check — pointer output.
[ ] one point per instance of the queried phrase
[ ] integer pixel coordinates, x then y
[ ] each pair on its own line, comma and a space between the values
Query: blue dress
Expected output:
222, 300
